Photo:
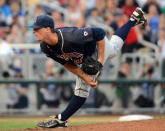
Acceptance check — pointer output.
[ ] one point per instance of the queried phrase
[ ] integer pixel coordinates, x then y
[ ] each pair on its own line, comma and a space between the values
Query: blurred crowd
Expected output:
15, 15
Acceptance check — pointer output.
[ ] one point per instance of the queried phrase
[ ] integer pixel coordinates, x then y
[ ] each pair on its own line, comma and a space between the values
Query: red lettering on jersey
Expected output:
76, 57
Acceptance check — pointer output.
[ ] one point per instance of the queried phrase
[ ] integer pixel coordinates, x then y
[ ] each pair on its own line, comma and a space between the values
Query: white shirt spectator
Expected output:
5, 49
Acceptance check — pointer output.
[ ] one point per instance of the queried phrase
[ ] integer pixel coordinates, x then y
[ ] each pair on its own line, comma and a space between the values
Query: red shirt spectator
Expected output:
129, 7
128, 10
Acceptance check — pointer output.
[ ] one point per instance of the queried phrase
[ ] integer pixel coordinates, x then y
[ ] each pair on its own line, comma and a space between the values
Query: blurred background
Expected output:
142, 58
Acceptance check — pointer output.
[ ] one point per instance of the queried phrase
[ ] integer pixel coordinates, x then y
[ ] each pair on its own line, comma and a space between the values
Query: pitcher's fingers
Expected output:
94, 84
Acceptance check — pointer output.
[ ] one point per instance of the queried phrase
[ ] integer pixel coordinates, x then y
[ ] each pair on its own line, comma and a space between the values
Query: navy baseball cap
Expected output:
43, 21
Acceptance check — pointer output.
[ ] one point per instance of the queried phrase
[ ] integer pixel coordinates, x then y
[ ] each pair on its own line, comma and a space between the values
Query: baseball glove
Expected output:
91, 66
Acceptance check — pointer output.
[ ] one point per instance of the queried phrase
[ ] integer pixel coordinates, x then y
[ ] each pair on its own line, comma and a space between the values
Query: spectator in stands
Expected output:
94, 17
162, 22
121, 3
17, 93
17, 16
51, 93
4, 28
15, 36
110, 7
90, 4
148, 3
5, 11
38, 11
129, 7
117, 19
57, 18
122, 90
143, 34
63, 3
161, 45
17, 13
109, 10
153, 20
16, 9
74, 15
32, 13
131, 43
6, 52
146, 97
81, 4
15, 67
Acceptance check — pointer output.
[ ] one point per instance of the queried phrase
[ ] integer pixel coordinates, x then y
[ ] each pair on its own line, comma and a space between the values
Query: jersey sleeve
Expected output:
98, 33
85, 35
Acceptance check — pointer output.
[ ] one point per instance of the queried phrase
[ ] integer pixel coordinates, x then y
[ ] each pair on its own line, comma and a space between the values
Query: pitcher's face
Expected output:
40, 34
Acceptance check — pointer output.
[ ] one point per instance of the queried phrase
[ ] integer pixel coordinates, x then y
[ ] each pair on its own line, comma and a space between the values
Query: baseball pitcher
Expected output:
82, 51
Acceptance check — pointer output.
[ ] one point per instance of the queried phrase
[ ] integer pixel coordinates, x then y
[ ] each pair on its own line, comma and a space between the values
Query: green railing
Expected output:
116, 81
67, 82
